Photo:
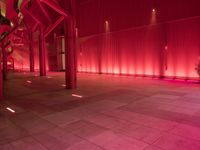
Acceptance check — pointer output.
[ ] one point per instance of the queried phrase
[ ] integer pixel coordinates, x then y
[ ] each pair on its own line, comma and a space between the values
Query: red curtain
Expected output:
183, 47
130, 39
135, 51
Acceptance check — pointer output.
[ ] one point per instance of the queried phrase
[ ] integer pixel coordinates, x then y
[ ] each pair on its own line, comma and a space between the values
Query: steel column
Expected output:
1, 81
31, 52
42, 53
70, 54
4, 62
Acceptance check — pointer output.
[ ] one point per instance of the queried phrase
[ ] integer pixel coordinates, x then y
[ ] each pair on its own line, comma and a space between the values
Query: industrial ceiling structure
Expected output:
21, 19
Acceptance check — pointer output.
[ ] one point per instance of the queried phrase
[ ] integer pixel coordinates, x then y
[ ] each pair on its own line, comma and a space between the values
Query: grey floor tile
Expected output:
187, 131
125, 113
142, 133
27, 143
112, 141
84, 129
172, 142
85, 145
57, 139
61, 118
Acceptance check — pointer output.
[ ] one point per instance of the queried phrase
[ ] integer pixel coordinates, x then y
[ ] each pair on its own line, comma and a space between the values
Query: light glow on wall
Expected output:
153, 16
143, 51
107, 26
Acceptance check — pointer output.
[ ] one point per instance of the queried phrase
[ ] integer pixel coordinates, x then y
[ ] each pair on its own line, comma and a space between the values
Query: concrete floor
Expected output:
115, 113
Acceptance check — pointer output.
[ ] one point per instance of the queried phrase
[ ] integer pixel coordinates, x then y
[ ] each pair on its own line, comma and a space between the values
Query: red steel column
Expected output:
70, 54
42, 53
4, 62
31, 52
1, 81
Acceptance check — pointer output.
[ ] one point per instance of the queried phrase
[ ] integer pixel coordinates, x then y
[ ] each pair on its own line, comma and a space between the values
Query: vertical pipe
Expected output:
42, 53
4, 62
70, 54
75, 35
1, 81
31, 52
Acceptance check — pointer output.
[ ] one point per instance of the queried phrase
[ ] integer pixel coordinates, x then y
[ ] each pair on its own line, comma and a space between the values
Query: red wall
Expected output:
138, 37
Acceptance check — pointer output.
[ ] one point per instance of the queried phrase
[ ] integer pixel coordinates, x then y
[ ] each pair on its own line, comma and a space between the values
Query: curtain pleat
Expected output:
137, 43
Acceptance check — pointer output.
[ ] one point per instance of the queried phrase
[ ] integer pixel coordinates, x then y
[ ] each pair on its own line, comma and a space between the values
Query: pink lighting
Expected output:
107, 26
75, 95
9, 63
153, 16
136, 62
11, 110
153, 10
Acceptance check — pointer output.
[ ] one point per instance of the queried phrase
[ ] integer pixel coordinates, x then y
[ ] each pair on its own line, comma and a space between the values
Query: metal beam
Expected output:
57, 8
42, 44
54, 26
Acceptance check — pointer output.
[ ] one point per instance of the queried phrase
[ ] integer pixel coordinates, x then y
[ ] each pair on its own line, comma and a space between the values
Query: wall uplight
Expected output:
153, 16
153, 10
107, 26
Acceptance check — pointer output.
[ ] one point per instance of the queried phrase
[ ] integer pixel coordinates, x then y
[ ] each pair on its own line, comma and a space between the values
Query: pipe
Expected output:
54, 26
70, 55
42, 53
4, 62
31, 46
1, 81
31, 52
74, 15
